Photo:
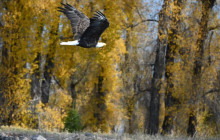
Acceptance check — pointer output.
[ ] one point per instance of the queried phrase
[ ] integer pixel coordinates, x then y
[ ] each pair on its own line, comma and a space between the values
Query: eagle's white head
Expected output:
100, 44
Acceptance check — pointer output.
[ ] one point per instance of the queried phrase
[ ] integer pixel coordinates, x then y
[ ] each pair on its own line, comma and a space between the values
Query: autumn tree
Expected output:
171, 52
14, 82
152, 125
198, 59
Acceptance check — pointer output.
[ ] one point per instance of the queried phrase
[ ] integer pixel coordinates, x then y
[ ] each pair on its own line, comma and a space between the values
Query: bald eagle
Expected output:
86, 31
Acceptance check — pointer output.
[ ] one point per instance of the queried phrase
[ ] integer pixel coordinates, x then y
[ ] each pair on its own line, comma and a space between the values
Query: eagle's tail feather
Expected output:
74, 43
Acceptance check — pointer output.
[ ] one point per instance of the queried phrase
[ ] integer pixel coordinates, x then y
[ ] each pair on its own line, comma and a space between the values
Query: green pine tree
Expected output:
72, 122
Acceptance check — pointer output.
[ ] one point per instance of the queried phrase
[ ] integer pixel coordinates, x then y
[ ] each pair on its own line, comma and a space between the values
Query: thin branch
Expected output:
211, 91
214, 27
84, 73
58, 83
134, 25
86, 70
77, 82
142, 20
25, 105
139, 13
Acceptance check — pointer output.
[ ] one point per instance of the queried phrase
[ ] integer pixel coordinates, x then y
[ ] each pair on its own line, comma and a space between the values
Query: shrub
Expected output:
72, 122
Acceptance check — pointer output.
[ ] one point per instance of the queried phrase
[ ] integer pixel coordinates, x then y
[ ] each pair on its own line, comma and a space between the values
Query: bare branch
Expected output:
146, 20
139, 13
86, 70
211, 91
25, 106
214, 27
83, 75
58, 83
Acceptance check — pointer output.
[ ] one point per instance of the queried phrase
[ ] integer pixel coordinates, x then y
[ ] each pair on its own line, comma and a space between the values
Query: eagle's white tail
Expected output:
100, 44
74, 43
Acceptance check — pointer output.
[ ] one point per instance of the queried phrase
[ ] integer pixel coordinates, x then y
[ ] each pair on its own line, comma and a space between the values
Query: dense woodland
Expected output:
158, 74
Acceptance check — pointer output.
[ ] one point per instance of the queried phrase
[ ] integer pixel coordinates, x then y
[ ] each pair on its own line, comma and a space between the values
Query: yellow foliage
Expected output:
51, 116
31, 34
206, 123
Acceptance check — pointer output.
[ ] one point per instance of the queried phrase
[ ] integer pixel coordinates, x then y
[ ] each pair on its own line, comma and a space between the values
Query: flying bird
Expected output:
86, 31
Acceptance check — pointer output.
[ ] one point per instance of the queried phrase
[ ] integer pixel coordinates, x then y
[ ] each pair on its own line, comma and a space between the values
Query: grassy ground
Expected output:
15, 131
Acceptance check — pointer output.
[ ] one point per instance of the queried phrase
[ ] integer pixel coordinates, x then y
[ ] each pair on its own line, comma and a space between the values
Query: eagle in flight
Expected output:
86, 31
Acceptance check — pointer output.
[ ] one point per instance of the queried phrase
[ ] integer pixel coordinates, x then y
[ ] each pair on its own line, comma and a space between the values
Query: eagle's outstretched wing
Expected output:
79, 21
98, 24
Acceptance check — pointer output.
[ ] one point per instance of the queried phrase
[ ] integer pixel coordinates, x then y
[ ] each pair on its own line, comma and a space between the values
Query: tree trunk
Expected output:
172, 47
152, 125
36, 76
35, 79
74, 81
9, 67
49, 64
73, 94
198, 60
191, 124
100, 104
